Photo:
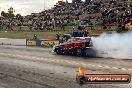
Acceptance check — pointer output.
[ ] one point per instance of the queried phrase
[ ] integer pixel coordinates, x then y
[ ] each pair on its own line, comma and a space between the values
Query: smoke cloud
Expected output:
114, 45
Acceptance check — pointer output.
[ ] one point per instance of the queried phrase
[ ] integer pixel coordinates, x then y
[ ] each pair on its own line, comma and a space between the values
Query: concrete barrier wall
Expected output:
29, 42
13, 42
49, 43
41, 42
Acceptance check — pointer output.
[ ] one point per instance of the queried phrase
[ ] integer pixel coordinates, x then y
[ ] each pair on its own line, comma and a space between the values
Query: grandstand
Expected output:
92, 15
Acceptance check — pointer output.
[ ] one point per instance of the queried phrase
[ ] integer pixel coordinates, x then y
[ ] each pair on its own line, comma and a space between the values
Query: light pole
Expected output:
44, 5
0, 11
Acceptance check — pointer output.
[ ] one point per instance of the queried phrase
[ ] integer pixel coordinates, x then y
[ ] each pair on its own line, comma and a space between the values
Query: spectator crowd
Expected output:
83, 15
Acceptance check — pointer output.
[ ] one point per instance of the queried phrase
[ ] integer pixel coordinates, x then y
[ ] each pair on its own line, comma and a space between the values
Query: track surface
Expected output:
30, 67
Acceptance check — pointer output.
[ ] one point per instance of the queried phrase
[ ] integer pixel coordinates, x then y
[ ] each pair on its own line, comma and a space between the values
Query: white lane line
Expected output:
46, 59
100, 66
41, 58
83, 64
33, 57
123, 69
13, 55
93, 65
71, 62
107, 67
8, 54
76, 63
38, 58
3, 53
114, 68
26, 56
53, 60
129, 69
67, 61
89, 64
19, 55
57, 60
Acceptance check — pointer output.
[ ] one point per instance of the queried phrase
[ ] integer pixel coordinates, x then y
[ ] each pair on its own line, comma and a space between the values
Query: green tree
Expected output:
18, 16
76, 1
4, 14
61, 3
11, 12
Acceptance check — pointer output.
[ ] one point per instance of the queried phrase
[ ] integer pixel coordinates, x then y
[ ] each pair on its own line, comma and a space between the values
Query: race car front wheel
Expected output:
78, 52
60, 51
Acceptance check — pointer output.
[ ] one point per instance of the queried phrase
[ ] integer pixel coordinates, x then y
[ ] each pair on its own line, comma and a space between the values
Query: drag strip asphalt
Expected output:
32, 67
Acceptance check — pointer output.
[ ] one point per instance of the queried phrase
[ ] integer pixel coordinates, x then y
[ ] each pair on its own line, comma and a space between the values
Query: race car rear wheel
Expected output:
89, 52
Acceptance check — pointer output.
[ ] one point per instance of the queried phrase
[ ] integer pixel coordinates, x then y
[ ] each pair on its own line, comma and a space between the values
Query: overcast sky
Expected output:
25, 7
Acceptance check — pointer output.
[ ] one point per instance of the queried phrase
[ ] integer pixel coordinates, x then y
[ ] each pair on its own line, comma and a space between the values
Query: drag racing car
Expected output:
79, 46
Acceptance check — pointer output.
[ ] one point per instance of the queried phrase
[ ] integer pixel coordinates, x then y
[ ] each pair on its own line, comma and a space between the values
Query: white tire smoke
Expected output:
114, 45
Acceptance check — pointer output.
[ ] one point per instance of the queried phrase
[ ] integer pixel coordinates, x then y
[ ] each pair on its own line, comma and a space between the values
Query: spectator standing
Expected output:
35, 37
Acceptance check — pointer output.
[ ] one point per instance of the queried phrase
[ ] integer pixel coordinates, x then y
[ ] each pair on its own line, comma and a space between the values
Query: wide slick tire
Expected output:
60, 51
78, 52
89, 52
